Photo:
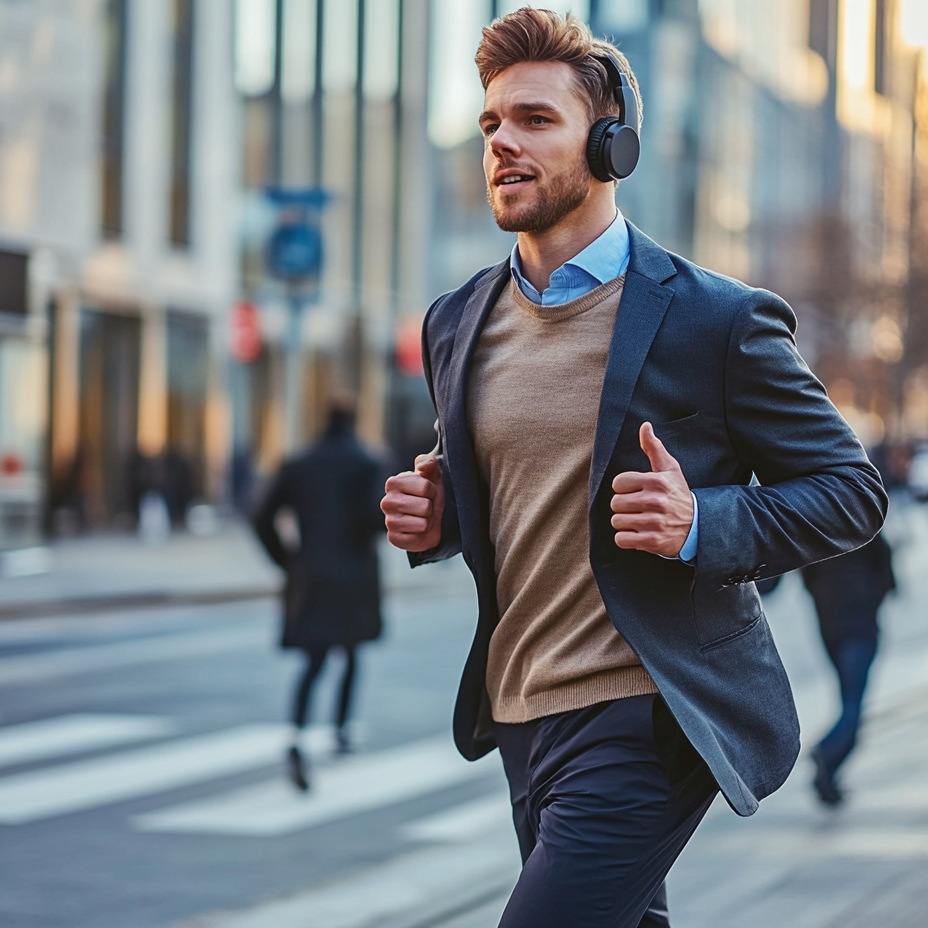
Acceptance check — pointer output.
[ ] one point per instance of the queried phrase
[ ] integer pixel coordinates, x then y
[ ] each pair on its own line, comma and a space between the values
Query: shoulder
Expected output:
716, 302
727, 296
447, 308
708, 295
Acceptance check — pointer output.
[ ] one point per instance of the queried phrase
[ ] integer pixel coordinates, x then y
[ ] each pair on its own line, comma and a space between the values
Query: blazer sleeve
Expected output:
819, 495
450, 543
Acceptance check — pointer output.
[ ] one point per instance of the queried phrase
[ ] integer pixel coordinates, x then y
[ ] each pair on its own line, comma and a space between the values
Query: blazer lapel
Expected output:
641, 311
457, 439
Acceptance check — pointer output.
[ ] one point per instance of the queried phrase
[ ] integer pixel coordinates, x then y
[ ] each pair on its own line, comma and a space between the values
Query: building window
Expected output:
14, 276
181, 118
114, 103
188, 384
823, 28
881, 49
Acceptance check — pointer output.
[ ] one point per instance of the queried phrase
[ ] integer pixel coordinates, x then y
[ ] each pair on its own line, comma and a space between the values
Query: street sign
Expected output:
294, 250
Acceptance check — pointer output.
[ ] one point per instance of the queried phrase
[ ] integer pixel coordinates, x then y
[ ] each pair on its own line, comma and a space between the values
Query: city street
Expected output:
142, 780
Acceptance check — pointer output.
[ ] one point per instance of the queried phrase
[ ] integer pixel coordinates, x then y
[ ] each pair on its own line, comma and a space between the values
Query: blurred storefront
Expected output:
138, 375
119, 179
47, 159
22, 408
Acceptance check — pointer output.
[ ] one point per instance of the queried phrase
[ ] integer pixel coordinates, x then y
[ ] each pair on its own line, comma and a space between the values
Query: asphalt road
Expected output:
141, 774
142, 782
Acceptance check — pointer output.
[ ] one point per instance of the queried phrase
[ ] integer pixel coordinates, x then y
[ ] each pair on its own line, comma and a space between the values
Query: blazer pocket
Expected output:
675, 426
726, 614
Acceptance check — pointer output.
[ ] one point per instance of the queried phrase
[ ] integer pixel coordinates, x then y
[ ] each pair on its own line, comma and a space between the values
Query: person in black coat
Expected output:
847, 592
332, 594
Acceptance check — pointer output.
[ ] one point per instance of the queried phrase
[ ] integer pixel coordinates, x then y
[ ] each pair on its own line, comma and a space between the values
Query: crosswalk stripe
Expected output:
467, 820
83, 785
354, 785
71, 734
31, 668
424, 885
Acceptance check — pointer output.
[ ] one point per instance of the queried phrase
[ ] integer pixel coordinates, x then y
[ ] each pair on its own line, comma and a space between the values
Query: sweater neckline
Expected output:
571, 308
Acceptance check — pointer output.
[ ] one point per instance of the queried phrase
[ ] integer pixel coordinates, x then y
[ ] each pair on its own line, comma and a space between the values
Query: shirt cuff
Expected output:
688, 551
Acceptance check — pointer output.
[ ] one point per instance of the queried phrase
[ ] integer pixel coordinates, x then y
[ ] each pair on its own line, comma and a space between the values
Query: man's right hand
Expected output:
414, 504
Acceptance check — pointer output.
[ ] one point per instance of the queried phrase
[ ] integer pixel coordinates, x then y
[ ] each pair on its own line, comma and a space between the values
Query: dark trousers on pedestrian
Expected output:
604, 799
852, 657
315, 661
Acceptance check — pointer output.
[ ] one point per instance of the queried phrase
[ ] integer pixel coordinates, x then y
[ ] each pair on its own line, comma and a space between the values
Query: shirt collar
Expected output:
605, 258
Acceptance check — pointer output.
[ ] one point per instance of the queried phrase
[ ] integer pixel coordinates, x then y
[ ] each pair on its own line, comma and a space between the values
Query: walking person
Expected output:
847, 592
602, 407
332, 594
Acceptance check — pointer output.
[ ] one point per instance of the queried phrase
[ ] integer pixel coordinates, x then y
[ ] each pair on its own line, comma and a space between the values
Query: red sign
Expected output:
409, 346
246, 332
11, 464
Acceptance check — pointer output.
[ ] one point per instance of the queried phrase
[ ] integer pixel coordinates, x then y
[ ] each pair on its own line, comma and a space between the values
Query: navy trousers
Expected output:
852, 657
604, 799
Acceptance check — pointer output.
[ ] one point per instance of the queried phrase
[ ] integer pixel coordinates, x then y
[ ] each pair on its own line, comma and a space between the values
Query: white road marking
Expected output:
424, 885
76, 787
32, 668
357, 784
71, 734
886, 843
458, 823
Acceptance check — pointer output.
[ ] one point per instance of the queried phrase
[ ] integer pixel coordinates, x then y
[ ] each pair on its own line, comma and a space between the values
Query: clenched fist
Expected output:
414, 504
653, 511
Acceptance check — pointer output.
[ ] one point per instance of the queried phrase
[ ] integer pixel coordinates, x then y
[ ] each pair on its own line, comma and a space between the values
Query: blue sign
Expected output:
315, 198
295, 250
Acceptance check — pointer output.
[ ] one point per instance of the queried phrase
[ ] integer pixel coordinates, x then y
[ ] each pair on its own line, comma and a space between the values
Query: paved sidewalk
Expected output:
96, 573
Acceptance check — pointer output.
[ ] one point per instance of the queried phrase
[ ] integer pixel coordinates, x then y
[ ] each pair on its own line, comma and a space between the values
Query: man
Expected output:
603, 408
332, 597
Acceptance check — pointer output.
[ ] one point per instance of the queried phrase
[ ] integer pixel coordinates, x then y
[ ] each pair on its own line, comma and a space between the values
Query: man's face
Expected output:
535, 123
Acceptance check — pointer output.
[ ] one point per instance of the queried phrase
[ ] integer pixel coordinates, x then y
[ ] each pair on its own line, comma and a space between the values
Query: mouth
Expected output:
513, 180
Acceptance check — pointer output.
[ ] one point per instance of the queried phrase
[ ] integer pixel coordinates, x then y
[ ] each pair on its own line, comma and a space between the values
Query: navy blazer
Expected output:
713, 365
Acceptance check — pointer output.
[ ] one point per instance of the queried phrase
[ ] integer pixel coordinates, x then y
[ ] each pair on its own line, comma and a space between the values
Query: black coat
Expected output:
332, 594
848, 590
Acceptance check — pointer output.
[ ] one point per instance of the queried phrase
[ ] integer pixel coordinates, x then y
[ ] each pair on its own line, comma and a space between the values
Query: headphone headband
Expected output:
621, 90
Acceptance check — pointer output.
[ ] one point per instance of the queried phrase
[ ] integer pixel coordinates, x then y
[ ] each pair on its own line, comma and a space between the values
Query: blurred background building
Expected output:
164, 164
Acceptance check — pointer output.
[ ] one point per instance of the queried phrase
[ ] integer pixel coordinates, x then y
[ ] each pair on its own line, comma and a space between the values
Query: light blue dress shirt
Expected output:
605, 258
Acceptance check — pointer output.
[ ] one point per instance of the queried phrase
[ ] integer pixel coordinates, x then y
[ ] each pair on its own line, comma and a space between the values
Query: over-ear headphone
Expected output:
613, 147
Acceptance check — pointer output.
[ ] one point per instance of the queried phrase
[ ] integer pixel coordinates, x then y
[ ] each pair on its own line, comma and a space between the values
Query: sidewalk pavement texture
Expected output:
100, 572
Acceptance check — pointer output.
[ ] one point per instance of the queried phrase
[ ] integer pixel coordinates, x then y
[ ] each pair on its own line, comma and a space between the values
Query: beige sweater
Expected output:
533, 399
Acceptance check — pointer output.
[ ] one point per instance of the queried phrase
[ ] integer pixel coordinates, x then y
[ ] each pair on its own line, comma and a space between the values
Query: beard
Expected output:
552, 202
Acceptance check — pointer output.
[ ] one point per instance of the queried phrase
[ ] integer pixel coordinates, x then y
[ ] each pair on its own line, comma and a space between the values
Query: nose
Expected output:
504, 142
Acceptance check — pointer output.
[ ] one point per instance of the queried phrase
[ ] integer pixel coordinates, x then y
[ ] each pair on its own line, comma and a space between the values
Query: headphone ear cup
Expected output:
595, 148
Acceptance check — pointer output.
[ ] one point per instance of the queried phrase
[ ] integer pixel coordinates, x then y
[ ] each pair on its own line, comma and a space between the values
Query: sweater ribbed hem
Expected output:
618, 683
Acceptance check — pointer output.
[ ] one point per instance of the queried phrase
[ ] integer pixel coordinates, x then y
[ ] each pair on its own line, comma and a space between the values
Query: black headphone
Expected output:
613, 146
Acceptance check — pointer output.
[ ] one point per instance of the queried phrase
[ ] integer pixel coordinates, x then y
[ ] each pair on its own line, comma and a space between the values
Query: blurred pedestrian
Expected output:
847, 592
332, 594
603, 405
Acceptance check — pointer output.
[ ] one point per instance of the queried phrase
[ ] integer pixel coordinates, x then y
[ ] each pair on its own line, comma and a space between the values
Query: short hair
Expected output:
541, 35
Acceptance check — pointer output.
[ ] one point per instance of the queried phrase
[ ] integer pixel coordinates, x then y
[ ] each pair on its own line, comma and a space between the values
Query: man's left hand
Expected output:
653, 511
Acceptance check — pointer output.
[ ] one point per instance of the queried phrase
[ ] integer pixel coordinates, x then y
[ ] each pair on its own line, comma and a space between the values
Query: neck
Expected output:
542, 253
